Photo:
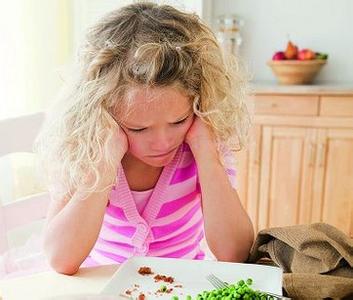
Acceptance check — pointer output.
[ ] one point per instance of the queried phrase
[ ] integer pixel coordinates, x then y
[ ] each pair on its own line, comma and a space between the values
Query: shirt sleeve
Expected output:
229, 162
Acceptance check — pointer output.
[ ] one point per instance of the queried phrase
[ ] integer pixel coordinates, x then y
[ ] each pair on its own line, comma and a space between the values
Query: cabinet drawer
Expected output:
337, 106
286, 105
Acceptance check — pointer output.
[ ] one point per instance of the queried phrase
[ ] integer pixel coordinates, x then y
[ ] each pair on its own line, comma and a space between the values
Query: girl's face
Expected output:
156, 123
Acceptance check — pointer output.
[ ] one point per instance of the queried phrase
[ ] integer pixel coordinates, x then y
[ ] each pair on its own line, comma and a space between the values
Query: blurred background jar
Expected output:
228, 33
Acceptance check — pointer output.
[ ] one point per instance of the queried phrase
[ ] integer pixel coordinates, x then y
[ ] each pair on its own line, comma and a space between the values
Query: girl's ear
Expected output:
196, 103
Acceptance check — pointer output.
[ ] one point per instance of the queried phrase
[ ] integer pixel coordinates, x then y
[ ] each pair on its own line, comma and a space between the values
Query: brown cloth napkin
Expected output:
317, 259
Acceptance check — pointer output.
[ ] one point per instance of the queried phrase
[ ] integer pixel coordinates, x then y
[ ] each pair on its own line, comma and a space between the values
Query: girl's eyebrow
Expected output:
184, 116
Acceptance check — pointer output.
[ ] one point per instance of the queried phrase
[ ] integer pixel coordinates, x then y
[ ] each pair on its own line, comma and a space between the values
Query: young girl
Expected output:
138, 157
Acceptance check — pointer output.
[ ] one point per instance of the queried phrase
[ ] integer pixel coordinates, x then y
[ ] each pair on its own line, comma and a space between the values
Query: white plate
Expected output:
80, 297
191, 274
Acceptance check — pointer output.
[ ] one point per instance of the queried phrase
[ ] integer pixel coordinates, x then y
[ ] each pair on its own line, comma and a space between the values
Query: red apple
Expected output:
279, 55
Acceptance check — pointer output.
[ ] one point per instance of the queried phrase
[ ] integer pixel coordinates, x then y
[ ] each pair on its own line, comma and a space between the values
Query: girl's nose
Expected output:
162, 142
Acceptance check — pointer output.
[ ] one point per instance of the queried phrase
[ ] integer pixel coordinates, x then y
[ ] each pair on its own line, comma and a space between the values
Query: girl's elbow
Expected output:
59, 261
63, 267
61, 264
237, 252
234, 256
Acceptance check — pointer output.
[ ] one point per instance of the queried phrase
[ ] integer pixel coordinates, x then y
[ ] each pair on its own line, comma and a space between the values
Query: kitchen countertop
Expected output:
326, 88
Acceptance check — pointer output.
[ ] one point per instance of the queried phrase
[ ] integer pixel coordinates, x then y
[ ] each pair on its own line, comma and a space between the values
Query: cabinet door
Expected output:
333, 186
286, 174
248, 170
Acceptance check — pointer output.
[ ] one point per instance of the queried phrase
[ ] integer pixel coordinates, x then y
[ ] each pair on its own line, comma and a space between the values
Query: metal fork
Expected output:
219, 284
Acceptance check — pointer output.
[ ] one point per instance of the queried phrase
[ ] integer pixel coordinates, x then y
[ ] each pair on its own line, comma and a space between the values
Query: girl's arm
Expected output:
228, 229
74, 222
72, 230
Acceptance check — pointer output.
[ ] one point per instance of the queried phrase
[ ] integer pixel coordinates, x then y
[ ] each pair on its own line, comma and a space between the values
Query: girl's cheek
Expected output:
189, 124
130, 141
135, 143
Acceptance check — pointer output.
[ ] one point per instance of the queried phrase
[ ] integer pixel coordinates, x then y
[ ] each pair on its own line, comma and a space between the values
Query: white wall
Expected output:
322, 25
34, 44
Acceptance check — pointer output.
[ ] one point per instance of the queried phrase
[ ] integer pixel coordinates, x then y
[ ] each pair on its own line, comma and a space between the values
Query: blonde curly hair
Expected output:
140, 44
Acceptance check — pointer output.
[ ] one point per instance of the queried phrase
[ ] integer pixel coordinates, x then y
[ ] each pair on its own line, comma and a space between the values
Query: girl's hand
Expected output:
200, 137
119, 143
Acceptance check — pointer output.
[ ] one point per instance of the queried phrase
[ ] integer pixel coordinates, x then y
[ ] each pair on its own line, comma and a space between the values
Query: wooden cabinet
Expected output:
333, 185
298, 168
285, 170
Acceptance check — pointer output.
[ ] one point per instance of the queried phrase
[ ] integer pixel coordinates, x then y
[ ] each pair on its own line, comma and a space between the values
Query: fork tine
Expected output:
220, 282
215, 281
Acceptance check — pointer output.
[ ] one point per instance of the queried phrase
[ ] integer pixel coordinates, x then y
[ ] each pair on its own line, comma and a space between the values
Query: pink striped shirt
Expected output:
169, 225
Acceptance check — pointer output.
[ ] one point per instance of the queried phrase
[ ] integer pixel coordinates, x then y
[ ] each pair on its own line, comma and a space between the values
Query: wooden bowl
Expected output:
296, 71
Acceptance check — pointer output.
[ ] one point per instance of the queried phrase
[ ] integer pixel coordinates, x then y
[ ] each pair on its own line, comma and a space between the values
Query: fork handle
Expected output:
277, 296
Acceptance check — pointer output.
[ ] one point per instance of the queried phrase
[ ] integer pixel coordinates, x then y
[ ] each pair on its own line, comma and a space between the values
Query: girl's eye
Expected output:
142, 129
181, 121
136, 130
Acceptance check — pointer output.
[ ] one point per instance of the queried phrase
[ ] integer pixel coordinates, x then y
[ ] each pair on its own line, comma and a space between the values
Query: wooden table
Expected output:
49, 284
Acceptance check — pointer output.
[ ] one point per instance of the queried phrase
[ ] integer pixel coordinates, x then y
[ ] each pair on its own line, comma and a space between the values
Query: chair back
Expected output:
18, 135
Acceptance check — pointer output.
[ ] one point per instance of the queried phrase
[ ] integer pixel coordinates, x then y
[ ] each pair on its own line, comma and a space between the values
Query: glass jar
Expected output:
228, 33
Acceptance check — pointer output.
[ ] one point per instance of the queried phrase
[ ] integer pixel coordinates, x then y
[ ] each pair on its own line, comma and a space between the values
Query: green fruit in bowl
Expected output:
319, 55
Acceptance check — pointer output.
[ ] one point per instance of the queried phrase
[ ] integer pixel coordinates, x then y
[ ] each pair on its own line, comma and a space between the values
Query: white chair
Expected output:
17, 135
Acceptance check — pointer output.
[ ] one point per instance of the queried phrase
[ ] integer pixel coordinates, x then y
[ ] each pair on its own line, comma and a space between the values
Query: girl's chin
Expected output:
155, 161
159, 161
